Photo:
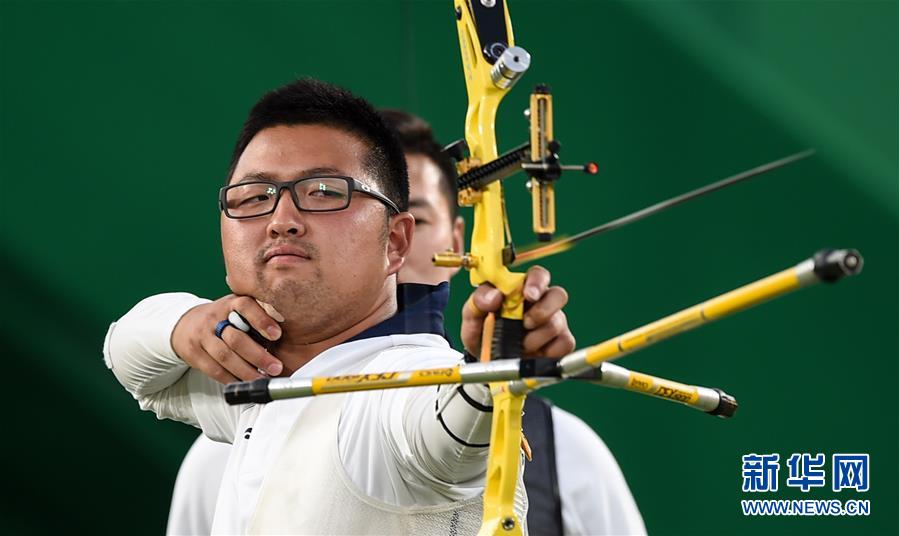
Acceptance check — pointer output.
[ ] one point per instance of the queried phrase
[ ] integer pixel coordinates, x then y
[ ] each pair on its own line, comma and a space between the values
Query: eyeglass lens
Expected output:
314, 194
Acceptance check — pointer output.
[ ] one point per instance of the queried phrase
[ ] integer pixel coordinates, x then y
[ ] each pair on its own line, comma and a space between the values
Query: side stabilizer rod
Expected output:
706, 399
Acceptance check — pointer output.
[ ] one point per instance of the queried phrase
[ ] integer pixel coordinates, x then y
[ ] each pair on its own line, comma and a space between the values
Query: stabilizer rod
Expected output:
826, 266
707, 399
532, 373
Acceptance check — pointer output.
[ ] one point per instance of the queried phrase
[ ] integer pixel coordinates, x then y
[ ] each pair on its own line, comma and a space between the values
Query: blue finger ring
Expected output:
220, 327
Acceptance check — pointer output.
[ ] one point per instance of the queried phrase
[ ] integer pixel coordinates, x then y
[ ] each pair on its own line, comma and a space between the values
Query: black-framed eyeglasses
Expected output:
328, 193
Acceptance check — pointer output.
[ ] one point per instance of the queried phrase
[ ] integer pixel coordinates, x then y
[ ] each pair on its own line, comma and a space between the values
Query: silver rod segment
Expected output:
545, 167
805, 272
281, 388
575, 363
492, 371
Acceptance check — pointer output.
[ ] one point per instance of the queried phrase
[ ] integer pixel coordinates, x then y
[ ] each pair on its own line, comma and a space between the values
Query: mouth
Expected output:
285, 255
286, 259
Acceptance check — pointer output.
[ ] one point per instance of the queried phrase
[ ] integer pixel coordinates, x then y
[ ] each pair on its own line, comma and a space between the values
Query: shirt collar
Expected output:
419, 310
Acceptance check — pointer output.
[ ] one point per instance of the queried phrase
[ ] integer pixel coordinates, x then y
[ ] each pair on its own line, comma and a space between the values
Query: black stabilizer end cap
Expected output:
254, 392
540, 367
831, 265
544, 237
727, 405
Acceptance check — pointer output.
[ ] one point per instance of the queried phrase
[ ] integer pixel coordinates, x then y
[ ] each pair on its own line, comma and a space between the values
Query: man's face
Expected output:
327, 269
435, 231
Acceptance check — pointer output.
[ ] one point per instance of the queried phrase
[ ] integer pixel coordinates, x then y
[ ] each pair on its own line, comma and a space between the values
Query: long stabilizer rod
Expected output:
268, 389
709, 400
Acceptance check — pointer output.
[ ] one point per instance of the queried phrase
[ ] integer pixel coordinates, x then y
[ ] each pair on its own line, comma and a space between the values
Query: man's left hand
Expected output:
547, 332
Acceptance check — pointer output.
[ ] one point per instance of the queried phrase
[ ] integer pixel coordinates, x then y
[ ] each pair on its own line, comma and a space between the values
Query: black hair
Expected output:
312, 102
417, 137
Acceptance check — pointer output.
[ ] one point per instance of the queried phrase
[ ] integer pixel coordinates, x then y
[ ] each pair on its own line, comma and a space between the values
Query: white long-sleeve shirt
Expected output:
391, 445
594, 494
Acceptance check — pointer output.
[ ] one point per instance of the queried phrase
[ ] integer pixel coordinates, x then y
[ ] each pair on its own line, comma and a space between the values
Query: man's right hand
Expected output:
235, 356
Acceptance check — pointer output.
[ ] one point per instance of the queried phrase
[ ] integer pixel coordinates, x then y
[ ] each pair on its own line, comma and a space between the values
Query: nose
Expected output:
287, 219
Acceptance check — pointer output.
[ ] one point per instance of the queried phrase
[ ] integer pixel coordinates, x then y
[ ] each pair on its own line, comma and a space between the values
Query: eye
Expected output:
260, 198
250, 195
325, 190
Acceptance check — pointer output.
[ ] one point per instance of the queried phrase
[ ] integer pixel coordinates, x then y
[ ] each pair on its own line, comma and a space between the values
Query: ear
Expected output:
459, 235
458, 242
399, 240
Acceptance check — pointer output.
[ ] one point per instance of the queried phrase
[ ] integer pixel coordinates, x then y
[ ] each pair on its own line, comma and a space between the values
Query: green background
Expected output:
117, 120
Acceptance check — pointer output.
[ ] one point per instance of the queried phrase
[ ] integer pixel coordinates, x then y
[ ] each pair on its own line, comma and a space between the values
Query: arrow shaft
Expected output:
565, 243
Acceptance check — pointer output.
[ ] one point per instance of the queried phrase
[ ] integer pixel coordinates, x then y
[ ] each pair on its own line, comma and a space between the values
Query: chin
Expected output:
289, 294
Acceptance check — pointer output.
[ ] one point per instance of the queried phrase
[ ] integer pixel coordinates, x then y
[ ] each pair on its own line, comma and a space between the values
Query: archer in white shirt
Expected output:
296, 238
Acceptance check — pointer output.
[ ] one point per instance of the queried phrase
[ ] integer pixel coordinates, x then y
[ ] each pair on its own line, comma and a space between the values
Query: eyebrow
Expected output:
419, 203
311, 172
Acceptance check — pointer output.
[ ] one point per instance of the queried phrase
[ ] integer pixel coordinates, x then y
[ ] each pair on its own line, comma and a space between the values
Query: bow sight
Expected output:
539, 158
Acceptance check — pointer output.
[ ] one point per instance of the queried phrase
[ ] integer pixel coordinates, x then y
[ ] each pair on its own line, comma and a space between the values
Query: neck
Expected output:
299, 345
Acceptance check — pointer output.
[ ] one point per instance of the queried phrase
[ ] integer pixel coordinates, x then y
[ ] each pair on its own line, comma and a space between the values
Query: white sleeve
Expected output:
595, 496
450, 434
424, 460
139, 352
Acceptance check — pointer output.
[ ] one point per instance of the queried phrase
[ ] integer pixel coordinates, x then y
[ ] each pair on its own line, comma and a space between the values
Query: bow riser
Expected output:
486, 84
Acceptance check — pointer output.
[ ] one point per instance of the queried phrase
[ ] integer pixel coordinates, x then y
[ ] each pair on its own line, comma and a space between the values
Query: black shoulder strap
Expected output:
540, 478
